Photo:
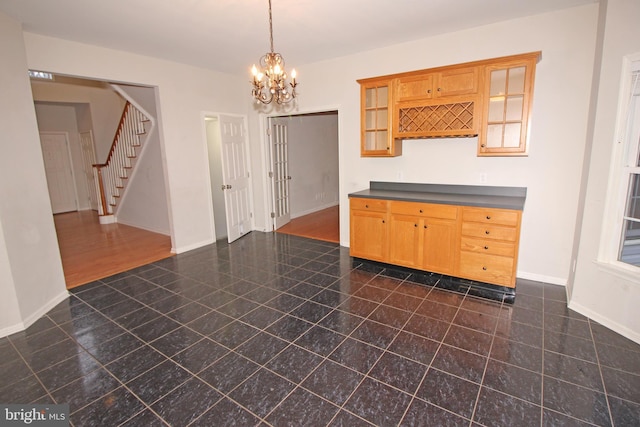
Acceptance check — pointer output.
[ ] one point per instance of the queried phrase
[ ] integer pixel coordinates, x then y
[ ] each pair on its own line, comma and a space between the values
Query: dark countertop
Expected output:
461, 195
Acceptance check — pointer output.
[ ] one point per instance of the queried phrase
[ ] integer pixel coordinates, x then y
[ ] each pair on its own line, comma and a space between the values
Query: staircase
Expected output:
112, 175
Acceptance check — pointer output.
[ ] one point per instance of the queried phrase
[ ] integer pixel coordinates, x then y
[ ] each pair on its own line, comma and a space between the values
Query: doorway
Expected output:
304, 174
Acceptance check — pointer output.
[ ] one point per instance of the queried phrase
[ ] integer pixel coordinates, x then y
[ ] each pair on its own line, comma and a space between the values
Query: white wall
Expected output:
313, 162
31, 277
54, 117
184, 92
605, 293
552, 170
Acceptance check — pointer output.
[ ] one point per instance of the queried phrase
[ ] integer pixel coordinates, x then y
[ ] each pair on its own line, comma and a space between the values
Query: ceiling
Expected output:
230, 35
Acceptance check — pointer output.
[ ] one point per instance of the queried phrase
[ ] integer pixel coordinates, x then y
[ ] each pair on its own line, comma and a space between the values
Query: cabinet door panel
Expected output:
405, 245
415, 87
461, 81
439, 246
368, 235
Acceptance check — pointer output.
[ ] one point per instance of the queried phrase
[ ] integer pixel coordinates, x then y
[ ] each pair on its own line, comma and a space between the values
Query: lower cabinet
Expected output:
470, 242
424, 236
369, 229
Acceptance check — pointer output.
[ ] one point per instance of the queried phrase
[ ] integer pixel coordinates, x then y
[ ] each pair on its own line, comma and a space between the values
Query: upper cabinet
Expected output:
490, 99
376, 119
507, 102
448, 82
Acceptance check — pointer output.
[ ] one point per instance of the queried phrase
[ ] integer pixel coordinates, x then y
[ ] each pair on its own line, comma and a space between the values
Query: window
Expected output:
629, 248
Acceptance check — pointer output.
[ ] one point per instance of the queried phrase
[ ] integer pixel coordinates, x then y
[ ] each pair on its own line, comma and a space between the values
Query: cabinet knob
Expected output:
429, 91
415, 225
420, 210
486, 232
366, 206
482, 145
383, 221
488, 216
484, 268
439, 89
425, 227
486, 248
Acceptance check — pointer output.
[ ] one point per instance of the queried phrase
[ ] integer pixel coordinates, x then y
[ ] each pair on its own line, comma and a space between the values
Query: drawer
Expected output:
491, 216
488, 231
487, 246
430, 210
375, 205
487, 268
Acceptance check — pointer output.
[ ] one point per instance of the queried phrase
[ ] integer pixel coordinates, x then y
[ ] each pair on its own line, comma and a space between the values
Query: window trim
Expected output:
618, 184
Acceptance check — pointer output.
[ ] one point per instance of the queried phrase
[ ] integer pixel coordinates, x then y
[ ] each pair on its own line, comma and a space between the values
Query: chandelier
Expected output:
270, 82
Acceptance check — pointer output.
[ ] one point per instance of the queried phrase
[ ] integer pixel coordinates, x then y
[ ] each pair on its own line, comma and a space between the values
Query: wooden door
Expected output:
57, 165
235, 176
279, 174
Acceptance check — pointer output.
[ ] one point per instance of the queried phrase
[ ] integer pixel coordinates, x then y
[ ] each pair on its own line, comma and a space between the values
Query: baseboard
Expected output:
31, 319
542, 278
192, 246
314, 210
143, 227
605, 321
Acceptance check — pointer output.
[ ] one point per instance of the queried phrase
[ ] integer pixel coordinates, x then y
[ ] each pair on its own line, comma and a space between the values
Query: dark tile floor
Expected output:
281, 330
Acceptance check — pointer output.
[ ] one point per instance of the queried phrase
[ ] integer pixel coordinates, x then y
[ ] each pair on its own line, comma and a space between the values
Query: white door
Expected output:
279, 174
235, 176
88, 160
57, 165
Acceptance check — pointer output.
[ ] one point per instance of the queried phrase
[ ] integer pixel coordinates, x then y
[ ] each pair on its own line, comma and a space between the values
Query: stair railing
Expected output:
111, 176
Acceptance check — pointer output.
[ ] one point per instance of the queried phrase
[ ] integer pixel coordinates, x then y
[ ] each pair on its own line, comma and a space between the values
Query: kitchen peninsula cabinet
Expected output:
472, 232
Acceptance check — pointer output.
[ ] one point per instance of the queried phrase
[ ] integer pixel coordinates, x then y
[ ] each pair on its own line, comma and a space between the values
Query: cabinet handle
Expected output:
425, 227
482, 145
439, 89
366, 206
486, 248
486, 232
415, 225
484, 268
420, 210
488, 216
429, 91
383, 221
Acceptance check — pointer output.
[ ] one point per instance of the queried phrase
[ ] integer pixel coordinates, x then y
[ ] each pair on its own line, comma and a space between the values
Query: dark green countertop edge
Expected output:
461, 195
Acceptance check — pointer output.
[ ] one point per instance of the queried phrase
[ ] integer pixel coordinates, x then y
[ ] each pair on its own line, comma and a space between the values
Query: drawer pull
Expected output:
486, 232
366, 206
425, 227
486, 248
415, 225
420, 210
383, 221
484, 268
488, 216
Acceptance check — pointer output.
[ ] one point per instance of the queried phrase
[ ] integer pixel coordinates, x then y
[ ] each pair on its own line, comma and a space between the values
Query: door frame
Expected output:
204, 116
71, 165
265, 142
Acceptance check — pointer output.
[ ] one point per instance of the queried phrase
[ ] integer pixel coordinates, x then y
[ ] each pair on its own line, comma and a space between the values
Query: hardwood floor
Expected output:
92, 251
321, 225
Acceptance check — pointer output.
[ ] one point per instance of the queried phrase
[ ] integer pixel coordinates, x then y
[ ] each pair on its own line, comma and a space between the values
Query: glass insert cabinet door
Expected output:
376, 120
506, 108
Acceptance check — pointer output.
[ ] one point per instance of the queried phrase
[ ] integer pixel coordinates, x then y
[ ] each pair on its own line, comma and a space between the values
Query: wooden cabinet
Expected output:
470, 242
369, 229
424, 235
449, 82
489, 245
506, 107
376, 100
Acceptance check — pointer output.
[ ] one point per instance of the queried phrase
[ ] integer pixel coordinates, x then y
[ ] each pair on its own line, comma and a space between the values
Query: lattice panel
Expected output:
437, 118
